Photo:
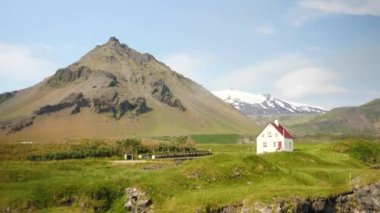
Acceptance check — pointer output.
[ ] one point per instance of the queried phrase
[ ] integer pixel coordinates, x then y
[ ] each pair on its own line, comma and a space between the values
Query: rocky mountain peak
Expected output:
113, 39
267, 96
114, 43
113, 55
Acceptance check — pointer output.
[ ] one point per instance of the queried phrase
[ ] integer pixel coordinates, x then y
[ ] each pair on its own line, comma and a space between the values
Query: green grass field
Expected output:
233, 174
215, 139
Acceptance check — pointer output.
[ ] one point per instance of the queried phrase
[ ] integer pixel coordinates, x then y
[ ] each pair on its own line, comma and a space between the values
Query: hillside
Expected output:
112, 92
232, 177
364, 119
264, 104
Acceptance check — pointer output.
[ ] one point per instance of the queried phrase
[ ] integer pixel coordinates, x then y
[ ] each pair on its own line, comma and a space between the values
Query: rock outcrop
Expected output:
162, 93
118, 108
107, 102
114, 44
16, 125
67, 75
364, 199
75, 100
137, 201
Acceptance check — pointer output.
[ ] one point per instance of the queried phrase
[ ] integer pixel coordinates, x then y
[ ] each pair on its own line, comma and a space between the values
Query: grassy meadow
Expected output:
233, 174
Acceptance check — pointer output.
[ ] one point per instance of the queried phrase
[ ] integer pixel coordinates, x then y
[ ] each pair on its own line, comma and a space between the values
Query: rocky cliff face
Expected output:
364, 199
162, 93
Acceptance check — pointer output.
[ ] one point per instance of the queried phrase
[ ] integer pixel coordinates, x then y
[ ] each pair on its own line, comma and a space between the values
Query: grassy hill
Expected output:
364, 119
234, 174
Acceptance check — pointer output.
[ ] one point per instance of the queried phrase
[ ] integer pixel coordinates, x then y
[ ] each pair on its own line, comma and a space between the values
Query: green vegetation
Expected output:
233, 174
361, 150
90, 150
132, 146
216, 138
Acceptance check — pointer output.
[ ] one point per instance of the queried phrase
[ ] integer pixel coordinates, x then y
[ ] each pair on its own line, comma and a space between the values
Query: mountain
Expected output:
364, 119
111, 92
265, 104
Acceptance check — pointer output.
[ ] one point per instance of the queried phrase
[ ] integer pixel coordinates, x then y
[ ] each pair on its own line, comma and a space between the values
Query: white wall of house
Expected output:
288, 145
270, 140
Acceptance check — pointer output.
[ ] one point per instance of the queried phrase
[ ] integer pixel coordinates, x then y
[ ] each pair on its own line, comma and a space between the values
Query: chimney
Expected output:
276, 122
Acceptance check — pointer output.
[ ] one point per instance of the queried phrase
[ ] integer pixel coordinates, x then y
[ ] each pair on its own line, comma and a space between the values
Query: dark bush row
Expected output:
184, 155
85, 152
366, 153
133, 146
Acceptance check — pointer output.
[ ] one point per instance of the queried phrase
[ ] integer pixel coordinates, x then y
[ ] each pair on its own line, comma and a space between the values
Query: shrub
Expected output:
89, 150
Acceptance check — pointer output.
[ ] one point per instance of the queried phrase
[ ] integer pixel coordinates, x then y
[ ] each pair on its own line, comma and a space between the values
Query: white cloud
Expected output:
265, 30
306, 82
349, 7
292, 77
259, 75
20, 68
307, 10
186, 64
373, 94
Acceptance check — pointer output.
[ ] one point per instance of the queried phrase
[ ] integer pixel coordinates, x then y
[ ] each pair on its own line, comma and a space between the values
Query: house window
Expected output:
276, 135
274, 144
269, 134
264, 144
262, 135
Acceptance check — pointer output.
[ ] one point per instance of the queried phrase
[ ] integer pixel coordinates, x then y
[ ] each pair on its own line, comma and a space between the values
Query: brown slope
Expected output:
364, 119
111, 92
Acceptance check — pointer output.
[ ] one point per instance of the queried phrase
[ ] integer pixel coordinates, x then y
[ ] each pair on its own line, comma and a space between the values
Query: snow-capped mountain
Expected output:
252, 104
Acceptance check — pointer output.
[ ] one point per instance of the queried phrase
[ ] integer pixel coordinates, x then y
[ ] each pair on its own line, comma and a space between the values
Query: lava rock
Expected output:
136, 105
20, 124
75, 99
67, 75
364, 199
137, 201
162, 93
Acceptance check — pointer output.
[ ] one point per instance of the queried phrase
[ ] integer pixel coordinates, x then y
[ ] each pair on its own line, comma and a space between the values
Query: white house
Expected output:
274, 138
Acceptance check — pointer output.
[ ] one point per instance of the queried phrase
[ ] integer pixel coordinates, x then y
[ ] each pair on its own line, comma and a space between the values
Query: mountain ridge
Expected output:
264, 104
363, 119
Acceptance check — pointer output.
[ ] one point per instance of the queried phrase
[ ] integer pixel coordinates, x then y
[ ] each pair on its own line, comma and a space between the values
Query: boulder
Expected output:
137, 201
369, 198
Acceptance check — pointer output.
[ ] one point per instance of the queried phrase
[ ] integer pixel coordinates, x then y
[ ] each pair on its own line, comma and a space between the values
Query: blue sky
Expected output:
318, 52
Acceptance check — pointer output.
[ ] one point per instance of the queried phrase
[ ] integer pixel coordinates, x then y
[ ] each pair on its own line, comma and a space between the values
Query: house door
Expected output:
279, 145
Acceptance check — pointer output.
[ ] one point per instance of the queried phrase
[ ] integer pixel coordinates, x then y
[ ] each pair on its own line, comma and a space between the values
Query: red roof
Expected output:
282, 130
